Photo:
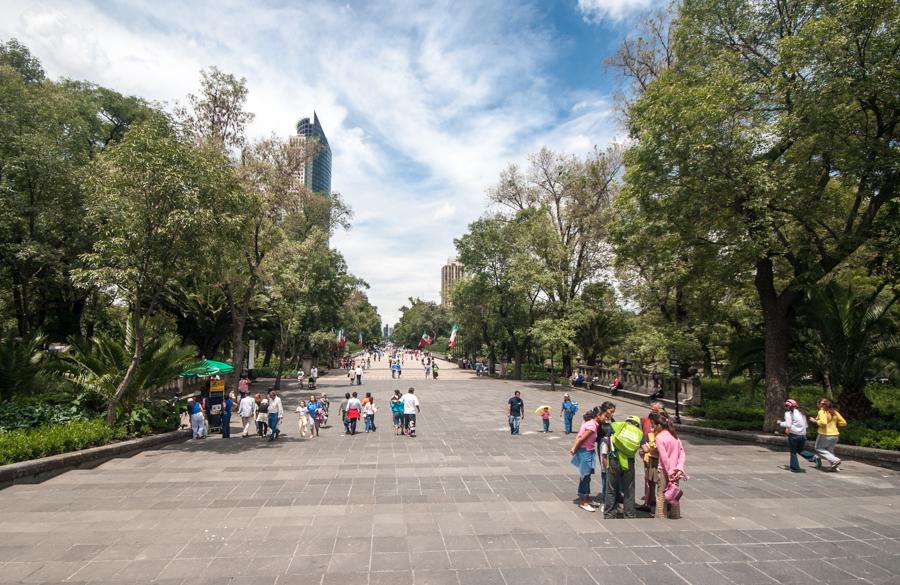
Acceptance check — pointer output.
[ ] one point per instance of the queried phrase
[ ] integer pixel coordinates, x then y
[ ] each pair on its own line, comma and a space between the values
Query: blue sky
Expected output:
423, 104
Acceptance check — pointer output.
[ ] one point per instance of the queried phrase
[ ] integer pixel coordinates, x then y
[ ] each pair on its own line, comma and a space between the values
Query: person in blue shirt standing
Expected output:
227, 407
198, 427
567, 412
516, 412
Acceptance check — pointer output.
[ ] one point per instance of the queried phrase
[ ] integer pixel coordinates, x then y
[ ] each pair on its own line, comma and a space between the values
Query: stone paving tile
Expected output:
464, 503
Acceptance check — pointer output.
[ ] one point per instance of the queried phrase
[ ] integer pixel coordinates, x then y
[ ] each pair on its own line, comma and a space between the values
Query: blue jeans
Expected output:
370, 422
568, 415
584, 486
398, 419
226, 427
514, 424
546, 425
353, 425
796, 444
273, 426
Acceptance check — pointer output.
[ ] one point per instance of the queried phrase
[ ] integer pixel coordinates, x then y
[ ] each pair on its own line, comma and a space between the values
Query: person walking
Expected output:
582, 453
625, 442
795, 427
567, 412
198, 430
276, 414
246, 410
369, 411
262, 415
359, 373
301, 378
354, 410
314, 376
671, 465
545, 418
227, 408
303, 419
326, 405
312, 408
410, 410
515, 412
435, 370
343, 412
828, 420
397, 411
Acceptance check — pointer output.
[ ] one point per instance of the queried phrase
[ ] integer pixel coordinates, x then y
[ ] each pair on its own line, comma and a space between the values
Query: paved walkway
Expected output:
464, 503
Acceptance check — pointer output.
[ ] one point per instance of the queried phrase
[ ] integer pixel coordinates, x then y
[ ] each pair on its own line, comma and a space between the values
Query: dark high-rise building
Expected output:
317, 174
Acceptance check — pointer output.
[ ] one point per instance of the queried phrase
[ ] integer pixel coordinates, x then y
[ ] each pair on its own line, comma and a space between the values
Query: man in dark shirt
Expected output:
516, 413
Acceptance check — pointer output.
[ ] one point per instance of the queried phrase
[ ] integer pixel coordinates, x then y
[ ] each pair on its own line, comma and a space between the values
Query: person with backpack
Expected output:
567, 412
828, 420
582, 453
671, 466
625, 442
795, 427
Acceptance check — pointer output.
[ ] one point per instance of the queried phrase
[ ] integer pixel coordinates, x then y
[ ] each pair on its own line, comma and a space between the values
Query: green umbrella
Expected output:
208, 368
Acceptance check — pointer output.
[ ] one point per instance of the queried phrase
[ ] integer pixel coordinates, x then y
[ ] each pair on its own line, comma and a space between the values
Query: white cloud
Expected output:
597, 10
422, 105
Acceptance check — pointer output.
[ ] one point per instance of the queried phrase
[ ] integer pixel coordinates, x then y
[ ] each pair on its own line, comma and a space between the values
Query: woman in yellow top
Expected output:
828, 421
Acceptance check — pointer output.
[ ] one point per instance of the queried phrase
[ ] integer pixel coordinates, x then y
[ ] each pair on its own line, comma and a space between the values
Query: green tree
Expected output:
773, 140
150, 199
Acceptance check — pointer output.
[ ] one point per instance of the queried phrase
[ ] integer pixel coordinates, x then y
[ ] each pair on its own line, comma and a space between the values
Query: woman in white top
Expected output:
795, 424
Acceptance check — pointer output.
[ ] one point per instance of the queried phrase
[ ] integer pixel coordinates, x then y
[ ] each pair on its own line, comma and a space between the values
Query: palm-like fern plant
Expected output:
851, 332
21, 363
97, 366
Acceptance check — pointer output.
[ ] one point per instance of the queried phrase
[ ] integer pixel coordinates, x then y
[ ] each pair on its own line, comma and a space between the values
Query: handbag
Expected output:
673, 492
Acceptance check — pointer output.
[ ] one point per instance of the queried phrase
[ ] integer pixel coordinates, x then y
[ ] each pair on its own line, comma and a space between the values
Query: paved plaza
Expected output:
464, 503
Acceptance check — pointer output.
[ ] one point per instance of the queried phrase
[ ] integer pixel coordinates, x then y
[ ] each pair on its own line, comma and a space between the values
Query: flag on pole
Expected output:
426, 340
453, 336
341, 340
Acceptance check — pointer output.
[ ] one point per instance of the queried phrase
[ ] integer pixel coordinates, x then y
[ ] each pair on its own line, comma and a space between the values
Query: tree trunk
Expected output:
270, 350
132, 367
566, 364
492, 360
282, 357
707, 360
237, 336
517, 368
777, 318
552, 374
853, 402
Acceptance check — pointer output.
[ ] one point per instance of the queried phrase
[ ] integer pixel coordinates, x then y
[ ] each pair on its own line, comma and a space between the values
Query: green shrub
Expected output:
29, 414
25, 444
149, 417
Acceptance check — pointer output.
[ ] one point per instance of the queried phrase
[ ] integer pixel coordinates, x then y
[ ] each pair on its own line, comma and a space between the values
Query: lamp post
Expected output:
675, 366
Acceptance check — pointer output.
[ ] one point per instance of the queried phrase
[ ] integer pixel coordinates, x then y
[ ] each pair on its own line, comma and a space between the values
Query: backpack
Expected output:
627, 441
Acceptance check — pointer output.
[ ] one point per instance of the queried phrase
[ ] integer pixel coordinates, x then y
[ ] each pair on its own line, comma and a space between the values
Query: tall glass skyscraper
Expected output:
317, 174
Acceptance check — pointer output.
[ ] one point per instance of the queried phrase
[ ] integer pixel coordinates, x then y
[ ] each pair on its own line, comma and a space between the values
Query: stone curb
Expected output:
38, 470
883, 456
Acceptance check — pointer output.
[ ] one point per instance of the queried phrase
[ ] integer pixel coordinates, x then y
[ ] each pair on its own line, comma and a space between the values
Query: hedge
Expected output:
25, 444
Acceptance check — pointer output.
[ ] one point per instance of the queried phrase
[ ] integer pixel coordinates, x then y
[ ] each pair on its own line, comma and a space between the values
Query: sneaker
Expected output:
836, 466
587, 507
818, 462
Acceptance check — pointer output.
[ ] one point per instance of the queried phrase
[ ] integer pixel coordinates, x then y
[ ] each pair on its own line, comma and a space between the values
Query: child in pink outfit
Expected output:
545, 415
671, 460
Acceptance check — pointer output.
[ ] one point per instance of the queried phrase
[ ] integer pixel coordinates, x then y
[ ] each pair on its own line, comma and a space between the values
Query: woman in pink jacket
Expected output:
671, 460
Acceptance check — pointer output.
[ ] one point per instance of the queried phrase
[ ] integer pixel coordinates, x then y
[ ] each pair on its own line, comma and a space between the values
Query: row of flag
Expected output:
426, 339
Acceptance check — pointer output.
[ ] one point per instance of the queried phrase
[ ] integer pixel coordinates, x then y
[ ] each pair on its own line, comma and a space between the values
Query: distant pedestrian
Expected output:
354, 412
410, 410
435, 370
516, 412
246, 410
303, 419
671, 466
198, 430
828, 420
359, 373
262, 415
312, 408
276, 414
795, 426
369, 411
397, 411
343, 412
227, 408
582, 453
244, 385
427, 367
314, 376
301, 378
650, 456
545, 418
567, 412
